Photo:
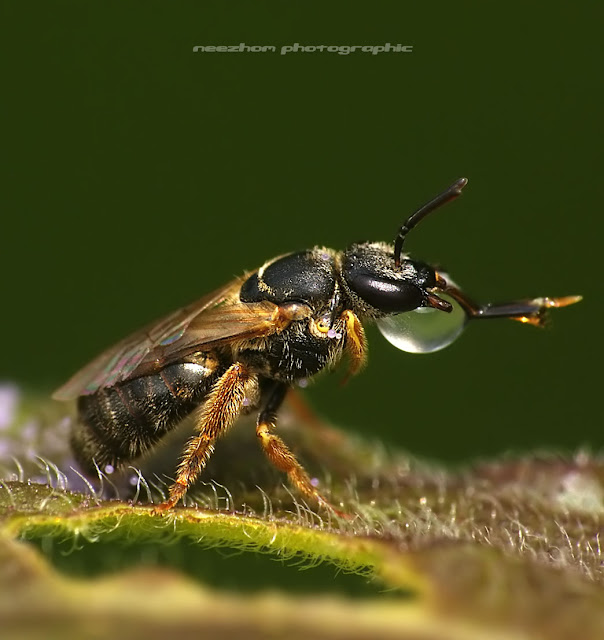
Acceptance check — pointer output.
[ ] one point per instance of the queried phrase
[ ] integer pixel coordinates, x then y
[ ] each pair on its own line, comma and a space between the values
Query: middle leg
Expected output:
278, 452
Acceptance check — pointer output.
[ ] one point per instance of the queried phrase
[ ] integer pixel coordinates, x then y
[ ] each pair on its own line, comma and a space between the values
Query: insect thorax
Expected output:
295, 353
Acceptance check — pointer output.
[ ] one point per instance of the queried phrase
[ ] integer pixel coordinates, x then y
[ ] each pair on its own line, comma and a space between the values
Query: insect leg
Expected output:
220, 410
529, 311
278, 452
356, 343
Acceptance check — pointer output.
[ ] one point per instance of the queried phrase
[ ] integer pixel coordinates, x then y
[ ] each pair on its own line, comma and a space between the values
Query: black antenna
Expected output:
412, 221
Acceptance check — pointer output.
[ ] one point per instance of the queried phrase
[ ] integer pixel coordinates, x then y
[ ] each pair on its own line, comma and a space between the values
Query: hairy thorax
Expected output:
300, 351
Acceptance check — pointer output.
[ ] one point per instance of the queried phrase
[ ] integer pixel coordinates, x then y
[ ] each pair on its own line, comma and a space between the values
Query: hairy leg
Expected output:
219, 412
356, 343
279, 454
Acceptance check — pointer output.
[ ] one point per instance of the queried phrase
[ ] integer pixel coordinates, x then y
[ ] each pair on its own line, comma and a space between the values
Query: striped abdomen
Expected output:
118, 424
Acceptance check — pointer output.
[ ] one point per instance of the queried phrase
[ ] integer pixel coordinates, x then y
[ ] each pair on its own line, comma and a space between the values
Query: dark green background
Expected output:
141, 175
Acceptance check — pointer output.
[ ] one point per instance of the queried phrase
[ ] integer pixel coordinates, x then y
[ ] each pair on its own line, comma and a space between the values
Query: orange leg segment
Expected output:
278, 452
356, 343
219, 412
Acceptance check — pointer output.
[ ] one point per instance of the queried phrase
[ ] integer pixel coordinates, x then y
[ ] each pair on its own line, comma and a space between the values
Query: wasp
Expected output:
245, 345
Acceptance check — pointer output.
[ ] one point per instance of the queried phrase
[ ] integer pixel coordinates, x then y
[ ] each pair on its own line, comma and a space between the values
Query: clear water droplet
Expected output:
424, 330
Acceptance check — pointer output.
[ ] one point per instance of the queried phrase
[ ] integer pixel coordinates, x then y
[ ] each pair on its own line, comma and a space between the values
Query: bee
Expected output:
245, 345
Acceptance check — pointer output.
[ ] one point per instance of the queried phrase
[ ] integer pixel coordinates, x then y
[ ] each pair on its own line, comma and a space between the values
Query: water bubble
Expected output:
424, 330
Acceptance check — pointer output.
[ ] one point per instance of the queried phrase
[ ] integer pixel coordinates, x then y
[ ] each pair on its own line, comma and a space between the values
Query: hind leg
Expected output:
220, 411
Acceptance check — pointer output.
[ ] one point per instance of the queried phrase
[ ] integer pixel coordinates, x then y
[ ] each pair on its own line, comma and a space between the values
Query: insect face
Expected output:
247, 343
378, 288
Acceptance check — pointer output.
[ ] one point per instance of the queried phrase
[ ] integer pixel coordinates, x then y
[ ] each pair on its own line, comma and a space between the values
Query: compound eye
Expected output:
424, 330
389, 296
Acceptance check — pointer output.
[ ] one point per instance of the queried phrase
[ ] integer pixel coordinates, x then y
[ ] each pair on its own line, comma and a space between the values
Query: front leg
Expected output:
356, 343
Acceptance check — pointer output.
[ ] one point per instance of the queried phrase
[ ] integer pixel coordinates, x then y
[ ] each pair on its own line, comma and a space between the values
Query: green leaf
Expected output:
504, 549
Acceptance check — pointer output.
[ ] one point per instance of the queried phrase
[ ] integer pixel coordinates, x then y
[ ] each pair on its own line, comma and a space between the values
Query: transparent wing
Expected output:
215, 319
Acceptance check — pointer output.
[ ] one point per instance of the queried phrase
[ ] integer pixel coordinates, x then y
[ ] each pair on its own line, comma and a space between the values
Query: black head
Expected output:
382, 282
380, 288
